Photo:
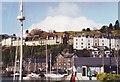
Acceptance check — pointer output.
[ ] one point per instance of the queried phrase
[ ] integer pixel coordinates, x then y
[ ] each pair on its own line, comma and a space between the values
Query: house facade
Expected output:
64, 61
95, 64
89, 41
35, 64
50, 40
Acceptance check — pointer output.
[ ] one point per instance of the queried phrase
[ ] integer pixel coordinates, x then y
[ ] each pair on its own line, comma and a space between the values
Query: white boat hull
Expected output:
54, 75
31, 76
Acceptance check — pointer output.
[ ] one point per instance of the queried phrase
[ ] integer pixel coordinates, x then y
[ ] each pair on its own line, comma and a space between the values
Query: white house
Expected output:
7, 42
11, 41
82, 42
89, 41
52, 40
103, 41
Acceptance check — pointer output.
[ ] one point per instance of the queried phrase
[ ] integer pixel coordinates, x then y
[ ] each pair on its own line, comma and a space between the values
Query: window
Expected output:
76, 43
102, 44
81, 39
95, 44
81, 43
102, 40
76, 47
81, 46
88, 43
76, 39
117, 45
95, 40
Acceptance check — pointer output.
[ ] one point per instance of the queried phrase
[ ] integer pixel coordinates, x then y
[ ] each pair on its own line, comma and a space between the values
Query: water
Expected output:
5, 78
10, 79
0, 79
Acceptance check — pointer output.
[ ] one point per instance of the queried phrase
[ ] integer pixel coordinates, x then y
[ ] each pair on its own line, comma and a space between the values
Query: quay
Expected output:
79, 77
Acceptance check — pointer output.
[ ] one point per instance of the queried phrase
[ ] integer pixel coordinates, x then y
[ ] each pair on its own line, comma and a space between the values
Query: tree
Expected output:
83, 29
116, 26
110, 28
8, 55
88, 29
36, 32
103, 29
27, 31
14, 35
5, 56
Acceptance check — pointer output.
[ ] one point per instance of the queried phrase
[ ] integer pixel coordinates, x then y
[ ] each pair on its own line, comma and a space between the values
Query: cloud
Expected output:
65, 17
64, 23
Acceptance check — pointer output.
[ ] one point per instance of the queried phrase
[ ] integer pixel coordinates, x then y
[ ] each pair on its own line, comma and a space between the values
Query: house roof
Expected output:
89, 61
98, 36
67, 55
37, 60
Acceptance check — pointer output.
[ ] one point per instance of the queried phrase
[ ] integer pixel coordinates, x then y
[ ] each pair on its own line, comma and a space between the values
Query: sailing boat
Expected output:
32, 76
50, 75
57, 76
54, 76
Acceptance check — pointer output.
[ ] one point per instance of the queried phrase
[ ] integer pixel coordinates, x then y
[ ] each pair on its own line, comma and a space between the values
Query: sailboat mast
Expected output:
46, 59
21, 18
16, 56
50, 63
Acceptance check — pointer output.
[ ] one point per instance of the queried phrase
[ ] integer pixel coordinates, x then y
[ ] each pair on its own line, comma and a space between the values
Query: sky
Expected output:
59, 16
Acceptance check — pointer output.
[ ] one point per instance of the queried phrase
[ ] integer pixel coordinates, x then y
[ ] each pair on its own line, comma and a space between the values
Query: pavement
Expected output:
80, 77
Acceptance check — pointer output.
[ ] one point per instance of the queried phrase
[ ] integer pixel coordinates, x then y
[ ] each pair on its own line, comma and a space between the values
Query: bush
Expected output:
108, 77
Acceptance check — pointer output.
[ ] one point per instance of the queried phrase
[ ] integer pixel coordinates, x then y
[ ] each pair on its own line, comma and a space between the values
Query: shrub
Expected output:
108, 77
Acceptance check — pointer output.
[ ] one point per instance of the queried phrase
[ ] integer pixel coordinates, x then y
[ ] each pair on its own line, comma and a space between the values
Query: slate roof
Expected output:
89, 61
37, 60
98, 36
66, 55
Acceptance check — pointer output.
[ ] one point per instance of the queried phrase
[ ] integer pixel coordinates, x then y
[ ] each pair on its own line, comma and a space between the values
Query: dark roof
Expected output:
98, 36
89, 61
4, 36
67, 55
37, 60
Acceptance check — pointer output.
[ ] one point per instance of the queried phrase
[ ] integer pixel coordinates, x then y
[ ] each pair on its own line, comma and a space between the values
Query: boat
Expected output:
54, 76
32, 76
57, 76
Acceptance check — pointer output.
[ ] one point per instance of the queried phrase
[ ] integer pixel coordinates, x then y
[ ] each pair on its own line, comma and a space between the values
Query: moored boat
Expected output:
31, 76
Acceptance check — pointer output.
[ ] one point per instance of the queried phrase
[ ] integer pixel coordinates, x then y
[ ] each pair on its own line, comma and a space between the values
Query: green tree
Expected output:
88, 29
116, 26
104, 29
110, 28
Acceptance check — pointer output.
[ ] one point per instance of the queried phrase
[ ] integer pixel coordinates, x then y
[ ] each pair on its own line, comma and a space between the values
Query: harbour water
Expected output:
0, 79
5, 78
10, 79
